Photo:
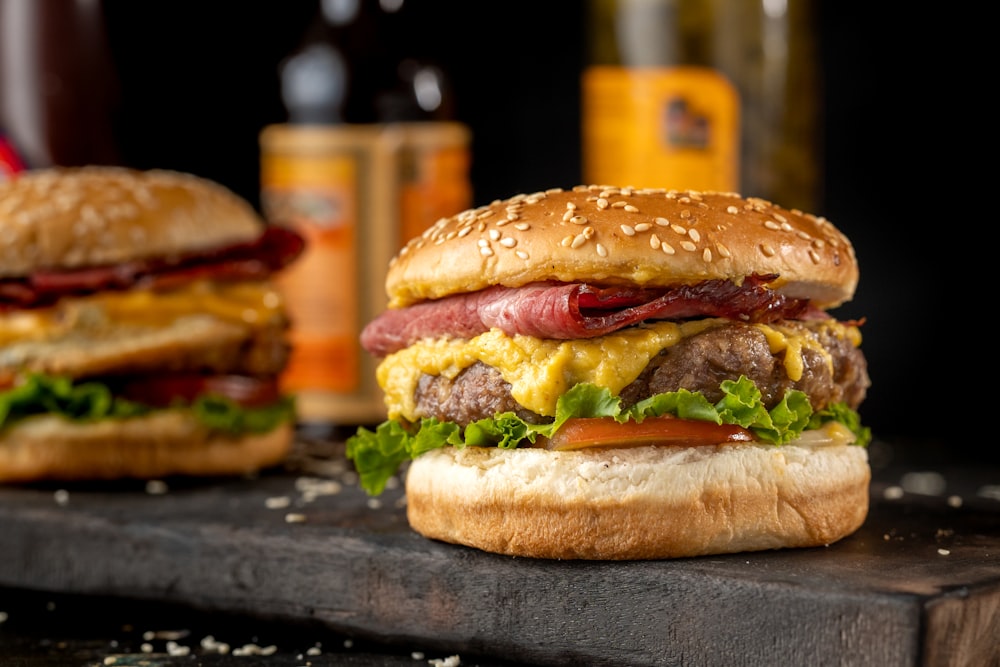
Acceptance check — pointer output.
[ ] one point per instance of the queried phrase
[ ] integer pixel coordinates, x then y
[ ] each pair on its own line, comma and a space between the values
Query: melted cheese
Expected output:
541, 370
251, 303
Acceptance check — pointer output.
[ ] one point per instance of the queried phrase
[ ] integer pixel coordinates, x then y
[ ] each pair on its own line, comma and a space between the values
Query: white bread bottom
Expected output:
639, 503
161, 444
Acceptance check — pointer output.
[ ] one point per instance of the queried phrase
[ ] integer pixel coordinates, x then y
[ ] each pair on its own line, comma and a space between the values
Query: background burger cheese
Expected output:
139, 333
610, 373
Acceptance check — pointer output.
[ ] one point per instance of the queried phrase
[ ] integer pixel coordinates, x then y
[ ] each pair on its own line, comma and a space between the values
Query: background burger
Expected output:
139, 334
609, 373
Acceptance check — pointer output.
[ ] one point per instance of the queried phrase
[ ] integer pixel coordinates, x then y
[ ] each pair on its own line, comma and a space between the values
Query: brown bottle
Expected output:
58, 87
369, 157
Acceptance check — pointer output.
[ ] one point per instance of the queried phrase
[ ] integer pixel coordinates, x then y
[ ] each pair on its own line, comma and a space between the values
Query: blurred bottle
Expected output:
58, 86
704, 94
370, 156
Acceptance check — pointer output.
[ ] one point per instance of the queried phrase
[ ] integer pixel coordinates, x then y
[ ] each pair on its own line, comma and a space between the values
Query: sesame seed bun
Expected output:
92, 216
622, 236
639, 502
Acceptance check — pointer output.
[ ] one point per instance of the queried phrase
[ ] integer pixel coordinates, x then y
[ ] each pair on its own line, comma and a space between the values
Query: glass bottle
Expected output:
704, 94
369, 156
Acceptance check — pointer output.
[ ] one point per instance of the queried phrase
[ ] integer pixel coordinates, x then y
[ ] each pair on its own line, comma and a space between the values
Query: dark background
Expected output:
200, 81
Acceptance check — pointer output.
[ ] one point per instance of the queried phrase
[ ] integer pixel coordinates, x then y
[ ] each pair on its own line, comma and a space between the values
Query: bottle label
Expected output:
671, 127
356, 193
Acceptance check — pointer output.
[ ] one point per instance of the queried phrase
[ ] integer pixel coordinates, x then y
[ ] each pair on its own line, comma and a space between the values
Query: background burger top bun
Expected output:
615, 236
91, 216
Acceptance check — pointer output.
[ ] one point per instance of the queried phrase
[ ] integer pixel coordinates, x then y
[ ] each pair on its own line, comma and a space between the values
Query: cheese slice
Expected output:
541, 370
253, 303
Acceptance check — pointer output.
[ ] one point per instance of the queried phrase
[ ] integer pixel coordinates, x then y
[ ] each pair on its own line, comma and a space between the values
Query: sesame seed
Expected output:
662, 222
571, 206
732, 209
667, 248
687, 245
486, 251
723, 251
695, 236
578, 220
602, 203
771, 224
482, 243
588, 232
601, 250
814, 256
678, 229
521, 254
578, 241
494, 235
654, 241
567, 216
619, 204
508, 242
628, 231
522, 226
566, 241
767, 250
706, 255
629, 208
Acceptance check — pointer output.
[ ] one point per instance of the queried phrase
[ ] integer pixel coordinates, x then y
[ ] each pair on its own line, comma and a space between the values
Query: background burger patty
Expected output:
698, 363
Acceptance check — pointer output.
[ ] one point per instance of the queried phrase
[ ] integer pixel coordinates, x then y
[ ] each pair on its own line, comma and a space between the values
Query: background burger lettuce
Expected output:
532, 339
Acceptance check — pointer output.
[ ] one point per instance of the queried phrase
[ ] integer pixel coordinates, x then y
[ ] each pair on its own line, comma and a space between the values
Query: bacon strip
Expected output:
575, 310
273, 250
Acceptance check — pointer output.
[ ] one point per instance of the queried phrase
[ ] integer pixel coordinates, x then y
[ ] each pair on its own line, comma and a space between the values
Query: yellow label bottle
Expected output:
703, 94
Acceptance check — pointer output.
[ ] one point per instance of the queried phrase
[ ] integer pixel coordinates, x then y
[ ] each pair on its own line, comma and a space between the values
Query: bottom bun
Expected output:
165, 443
639, 503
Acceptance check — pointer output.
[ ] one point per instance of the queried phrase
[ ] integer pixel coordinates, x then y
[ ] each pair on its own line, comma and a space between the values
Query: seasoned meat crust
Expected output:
698, 363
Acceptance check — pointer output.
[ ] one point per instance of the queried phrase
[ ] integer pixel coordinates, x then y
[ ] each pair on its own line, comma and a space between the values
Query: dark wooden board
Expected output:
918, 584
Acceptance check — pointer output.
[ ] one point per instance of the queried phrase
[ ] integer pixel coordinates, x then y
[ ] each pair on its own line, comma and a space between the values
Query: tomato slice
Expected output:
583, 432
162, 390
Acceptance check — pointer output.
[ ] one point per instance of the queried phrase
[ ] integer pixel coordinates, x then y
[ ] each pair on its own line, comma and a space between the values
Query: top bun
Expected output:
65, 218
614, 236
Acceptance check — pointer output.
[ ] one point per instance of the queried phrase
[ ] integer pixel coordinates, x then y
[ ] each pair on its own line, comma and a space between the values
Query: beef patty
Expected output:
698, 363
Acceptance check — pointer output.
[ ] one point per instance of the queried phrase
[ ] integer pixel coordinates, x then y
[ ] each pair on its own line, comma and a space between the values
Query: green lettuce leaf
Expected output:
92, 401
378, 454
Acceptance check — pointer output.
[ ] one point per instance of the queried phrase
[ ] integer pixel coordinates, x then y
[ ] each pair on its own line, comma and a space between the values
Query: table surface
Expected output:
299, 564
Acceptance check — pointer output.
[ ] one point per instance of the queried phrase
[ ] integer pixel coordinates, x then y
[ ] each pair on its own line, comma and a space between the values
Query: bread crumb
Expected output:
61, 496
156, 487
450, 661
295, 517
954, 501
893, 493
944, 552
277, 502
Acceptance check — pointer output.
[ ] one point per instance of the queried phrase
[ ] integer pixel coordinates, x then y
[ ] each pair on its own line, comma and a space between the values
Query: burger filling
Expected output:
676, 383
205, 332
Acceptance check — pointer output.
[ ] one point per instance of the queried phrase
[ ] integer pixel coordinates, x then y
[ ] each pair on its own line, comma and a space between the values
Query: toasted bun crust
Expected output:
638, 503
608, 235
67, 218
159, 445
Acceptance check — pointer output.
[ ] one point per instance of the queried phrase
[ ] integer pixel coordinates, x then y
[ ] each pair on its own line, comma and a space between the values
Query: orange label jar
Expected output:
356, 193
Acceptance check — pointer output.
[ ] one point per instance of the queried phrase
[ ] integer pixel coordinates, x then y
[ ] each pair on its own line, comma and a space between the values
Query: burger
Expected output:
615, 373
140, 336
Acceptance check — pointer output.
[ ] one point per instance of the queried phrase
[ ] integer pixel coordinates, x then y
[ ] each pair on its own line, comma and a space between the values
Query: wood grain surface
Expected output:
918, 584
